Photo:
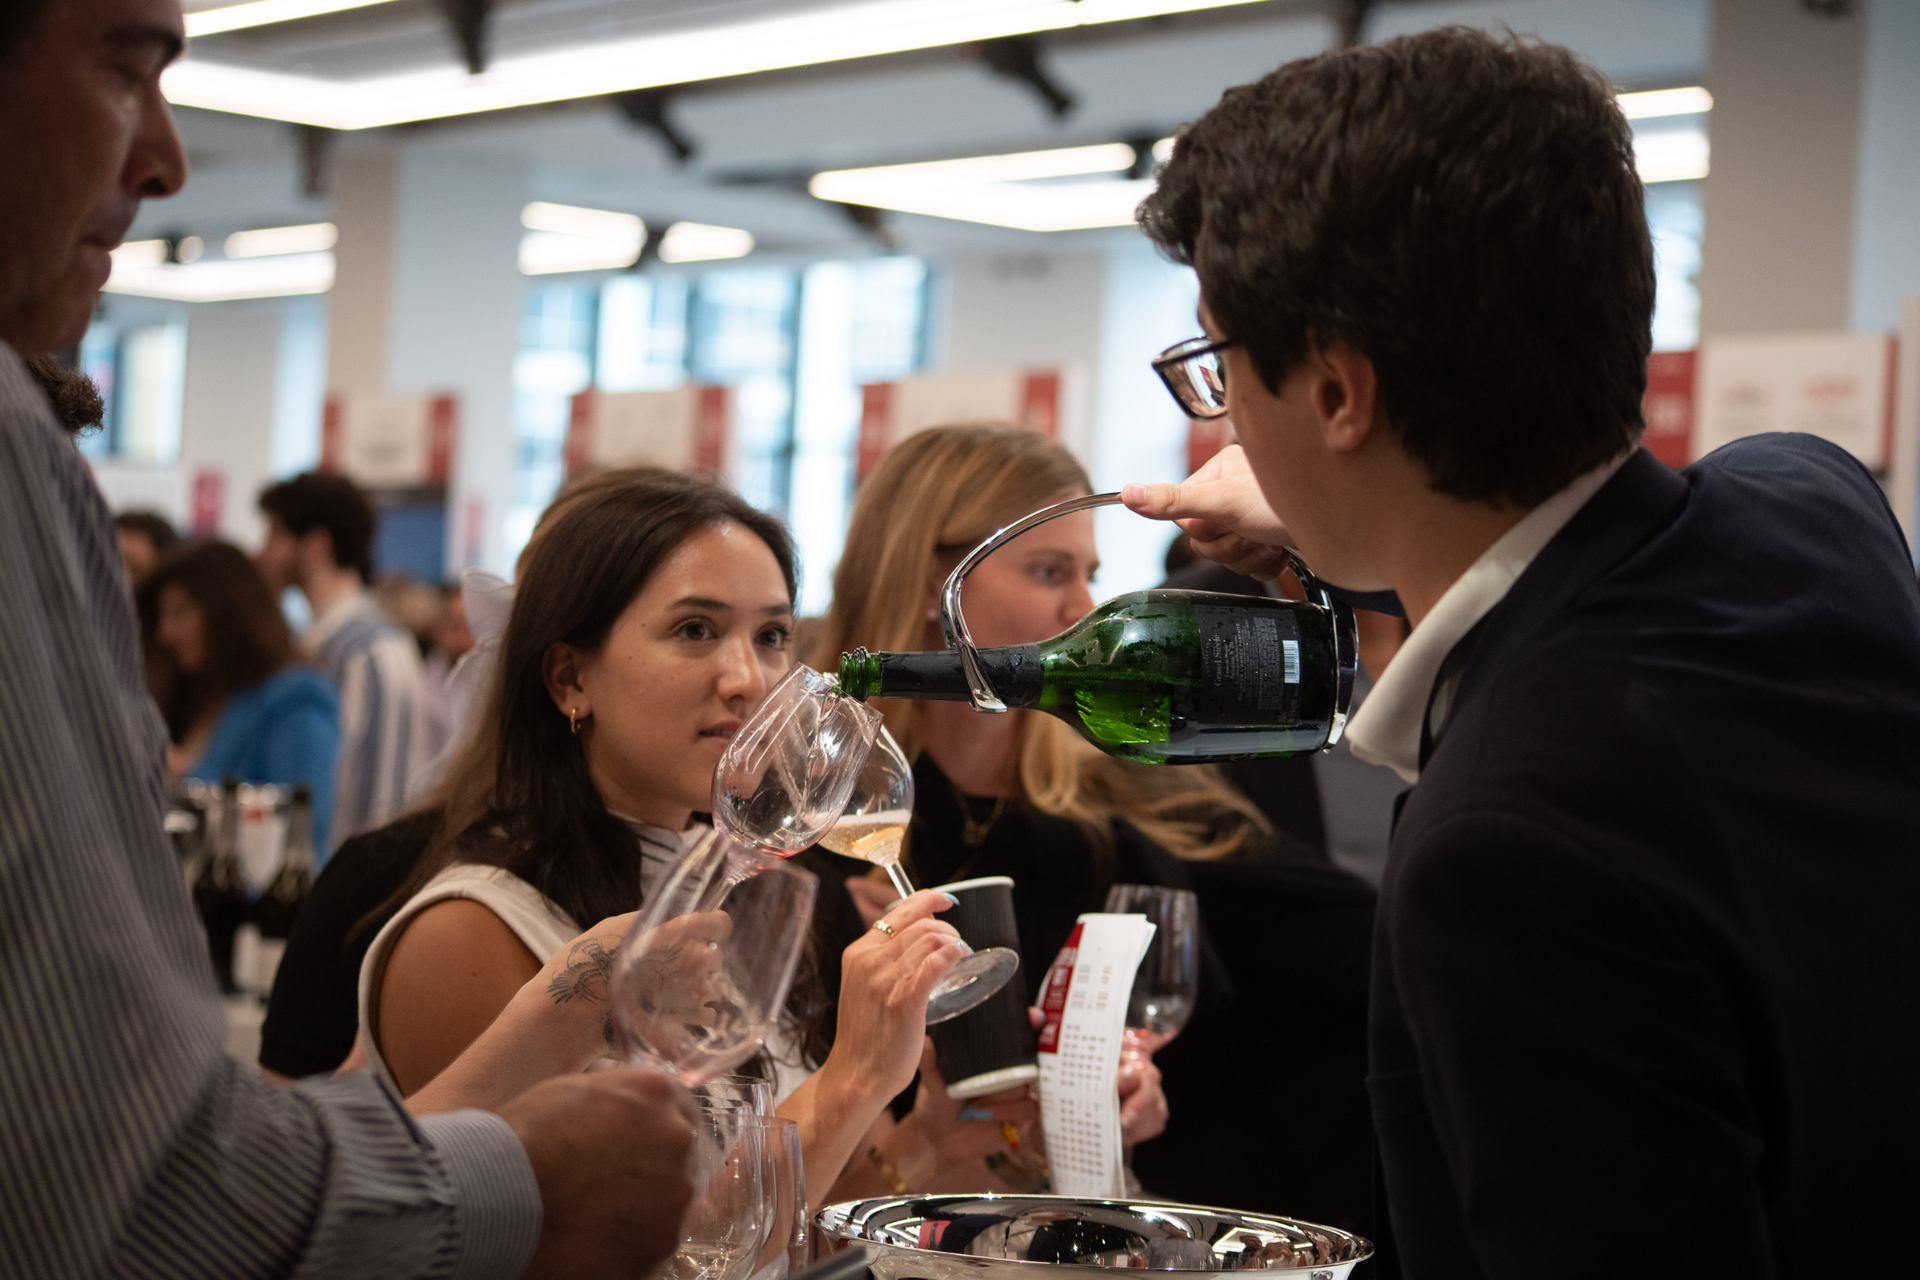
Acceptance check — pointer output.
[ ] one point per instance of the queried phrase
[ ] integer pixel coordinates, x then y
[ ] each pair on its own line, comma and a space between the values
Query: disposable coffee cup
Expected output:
993, 1046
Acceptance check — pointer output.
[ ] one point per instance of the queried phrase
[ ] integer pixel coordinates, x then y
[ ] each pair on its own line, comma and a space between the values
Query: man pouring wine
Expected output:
1644, 966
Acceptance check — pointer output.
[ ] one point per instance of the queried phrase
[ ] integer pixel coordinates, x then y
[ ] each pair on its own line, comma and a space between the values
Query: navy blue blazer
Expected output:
1646, 979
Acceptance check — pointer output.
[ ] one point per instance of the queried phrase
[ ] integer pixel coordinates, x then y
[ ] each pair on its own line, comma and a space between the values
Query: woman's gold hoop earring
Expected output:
573, 721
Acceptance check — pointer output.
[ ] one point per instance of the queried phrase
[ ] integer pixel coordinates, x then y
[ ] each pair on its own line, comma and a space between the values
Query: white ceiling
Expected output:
1142, 81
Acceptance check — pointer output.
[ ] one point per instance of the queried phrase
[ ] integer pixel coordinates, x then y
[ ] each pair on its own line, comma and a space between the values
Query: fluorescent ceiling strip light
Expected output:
1680, 156
1020, 190
596, 68
259, 13
698, 242
221, 280
1666, 102
268, 242
546, 253
573, 220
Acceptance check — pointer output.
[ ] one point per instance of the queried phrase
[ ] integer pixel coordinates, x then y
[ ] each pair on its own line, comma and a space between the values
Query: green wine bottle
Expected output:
1162, 677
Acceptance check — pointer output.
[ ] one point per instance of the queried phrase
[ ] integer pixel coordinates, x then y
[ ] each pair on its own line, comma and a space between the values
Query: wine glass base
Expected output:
972, 983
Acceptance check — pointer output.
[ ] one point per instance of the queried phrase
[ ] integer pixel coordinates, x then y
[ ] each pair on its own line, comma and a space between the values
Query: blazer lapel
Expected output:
1641, 499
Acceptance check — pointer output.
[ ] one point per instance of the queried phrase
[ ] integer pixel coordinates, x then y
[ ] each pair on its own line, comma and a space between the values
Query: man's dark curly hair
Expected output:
18, 18
1461, 208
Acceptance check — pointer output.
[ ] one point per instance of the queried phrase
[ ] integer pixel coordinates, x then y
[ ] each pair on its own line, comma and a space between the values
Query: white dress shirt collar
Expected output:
1386, 729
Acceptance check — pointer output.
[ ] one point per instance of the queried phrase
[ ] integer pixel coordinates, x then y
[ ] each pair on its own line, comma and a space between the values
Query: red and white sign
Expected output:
1668, 406
892, 411
387, 441
209, 496
1839, 386
687, 428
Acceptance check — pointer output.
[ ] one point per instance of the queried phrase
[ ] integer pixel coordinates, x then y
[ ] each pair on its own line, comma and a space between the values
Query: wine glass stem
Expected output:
901, 885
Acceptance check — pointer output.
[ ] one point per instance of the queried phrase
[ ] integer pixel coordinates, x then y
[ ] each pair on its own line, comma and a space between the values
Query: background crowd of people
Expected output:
582, 765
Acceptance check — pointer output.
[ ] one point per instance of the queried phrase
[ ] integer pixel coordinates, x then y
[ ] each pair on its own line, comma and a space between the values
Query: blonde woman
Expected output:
1019, 794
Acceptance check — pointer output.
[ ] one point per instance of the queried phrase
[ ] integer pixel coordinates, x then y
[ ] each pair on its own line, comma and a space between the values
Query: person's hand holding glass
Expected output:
810, 765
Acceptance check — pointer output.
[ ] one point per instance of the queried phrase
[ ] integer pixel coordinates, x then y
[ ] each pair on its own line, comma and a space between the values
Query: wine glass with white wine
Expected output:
873, 828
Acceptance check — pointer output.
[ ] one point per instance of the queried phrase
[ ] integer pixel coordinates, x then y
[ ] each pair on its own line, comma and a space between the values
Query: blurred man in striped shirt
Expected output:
320, 538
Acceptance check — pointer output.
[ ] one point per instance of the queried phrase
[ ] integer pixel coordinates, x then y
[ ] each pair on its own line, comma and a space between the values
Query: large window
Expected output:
742, 334
1674, 216
141, 372
794, 345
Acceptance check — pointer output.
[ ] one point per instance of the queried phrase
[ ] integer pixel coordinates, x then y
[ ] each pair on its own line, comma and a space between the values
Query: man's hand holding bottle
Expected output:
1223, 512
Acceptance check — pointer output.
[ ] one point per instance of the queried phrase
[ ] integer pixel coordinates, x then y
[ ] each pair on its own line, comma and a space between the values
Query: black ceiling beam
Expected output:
1351, 16
470, 20
647, 109
1017, 58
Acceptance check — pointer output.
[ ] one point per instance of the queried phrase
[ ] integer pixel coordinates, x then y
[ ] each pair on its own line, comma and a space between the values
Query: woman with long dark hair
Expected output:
235, 701
653, 611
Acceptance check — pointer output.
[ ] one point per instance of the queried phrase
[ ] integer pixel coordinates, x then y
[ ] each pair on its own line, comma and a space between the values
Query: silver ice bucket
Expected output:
996, 1237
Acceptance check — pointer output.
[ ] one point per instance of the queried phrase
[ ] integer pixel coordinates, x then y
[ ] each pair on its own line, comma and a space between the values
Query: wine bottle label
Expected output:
1249, 661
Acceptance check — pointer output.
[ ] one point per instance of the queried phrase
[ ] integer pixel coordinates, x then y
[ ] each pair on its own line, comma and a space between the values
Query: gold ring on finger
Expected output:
884, 927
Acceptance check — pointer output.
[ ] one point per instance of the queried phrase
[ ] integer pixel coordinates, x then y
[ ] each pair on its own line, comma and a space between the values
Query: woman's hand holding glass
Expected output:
884, 985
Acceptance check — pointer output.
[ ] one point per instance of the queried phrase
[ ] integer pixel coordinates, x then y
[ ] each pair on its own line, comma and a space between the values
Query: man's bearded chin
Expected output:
46, 311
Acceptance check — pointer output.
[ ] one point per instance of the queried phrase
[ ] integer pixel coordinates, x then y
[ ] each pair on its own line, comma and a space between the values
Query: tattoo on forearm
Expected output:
585, 977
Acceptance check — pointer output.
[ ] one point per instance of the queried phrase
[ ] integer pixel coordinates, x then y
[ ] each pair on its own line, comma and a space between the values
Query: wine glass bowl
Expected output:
786, 776
1167, 983
703, 976
727, 1224
873, 827
879, 808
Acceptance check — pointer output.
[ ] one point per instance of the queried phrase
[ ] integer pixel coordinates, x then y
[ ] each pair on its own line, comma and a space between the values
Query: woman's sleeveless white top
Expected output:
543, 928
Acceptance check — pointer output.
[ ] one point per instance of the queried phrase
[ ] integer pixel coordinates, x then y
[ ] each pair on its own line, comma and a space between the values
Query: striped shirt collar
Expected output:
335, 616
1386, 728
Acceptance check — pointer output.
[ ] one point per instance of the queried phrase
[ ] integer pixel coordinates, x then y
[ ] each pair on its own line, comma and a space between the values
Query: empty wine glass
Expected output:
791, 1172
756, 1093
873, 827
787, 773
1168, 980
787, 1218
727, 1224
703, 975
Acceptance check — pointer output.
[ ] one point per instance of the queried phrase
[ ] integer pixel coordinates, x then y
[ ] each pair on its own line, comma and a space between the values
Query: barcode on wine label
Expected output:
1290, 653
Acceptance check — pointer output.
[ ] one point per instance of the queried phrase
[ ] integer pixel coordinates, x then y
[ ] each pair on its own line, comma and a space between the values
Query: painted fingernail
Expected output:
950, 898
971, 1112
964, 947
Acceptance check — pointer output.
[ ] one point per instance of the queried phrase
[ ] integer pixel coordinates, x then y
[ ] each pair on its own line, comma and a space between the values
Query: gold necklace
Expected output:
973, 831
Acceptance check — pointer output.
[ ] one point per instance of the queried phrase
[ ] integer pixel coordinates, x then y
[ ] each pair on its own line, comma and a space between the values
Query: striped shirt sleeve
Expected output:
130, 1144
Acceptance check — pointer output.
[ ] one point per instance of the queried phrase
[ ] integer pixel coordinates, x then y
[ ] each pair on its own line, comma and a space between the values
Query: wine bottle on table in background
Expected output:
1161, 677
220, 891
279, 907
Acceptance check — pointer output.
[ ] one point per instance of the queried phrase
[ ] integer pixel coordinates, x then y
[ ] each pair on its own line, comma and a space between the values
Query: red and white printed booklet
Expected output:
1084, 1000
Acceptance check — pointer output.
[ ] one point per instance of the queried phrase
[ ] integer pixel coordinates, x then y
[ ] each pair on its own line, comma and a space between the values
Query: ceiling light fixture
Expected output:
259, 13
698, 242
601, 67
269, 242
1678, 156
567, 237
136, 270
1666, 102
1063, 189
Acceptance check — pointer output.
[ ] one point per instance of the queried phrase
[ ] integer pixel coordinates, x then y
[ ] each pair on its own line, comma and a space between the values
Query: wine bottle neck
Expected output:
937, 675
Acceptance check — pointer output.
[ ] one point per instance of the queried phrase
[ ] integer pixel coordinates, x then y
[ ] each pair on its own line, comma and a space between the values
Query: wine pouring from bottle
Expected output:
1161, 676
